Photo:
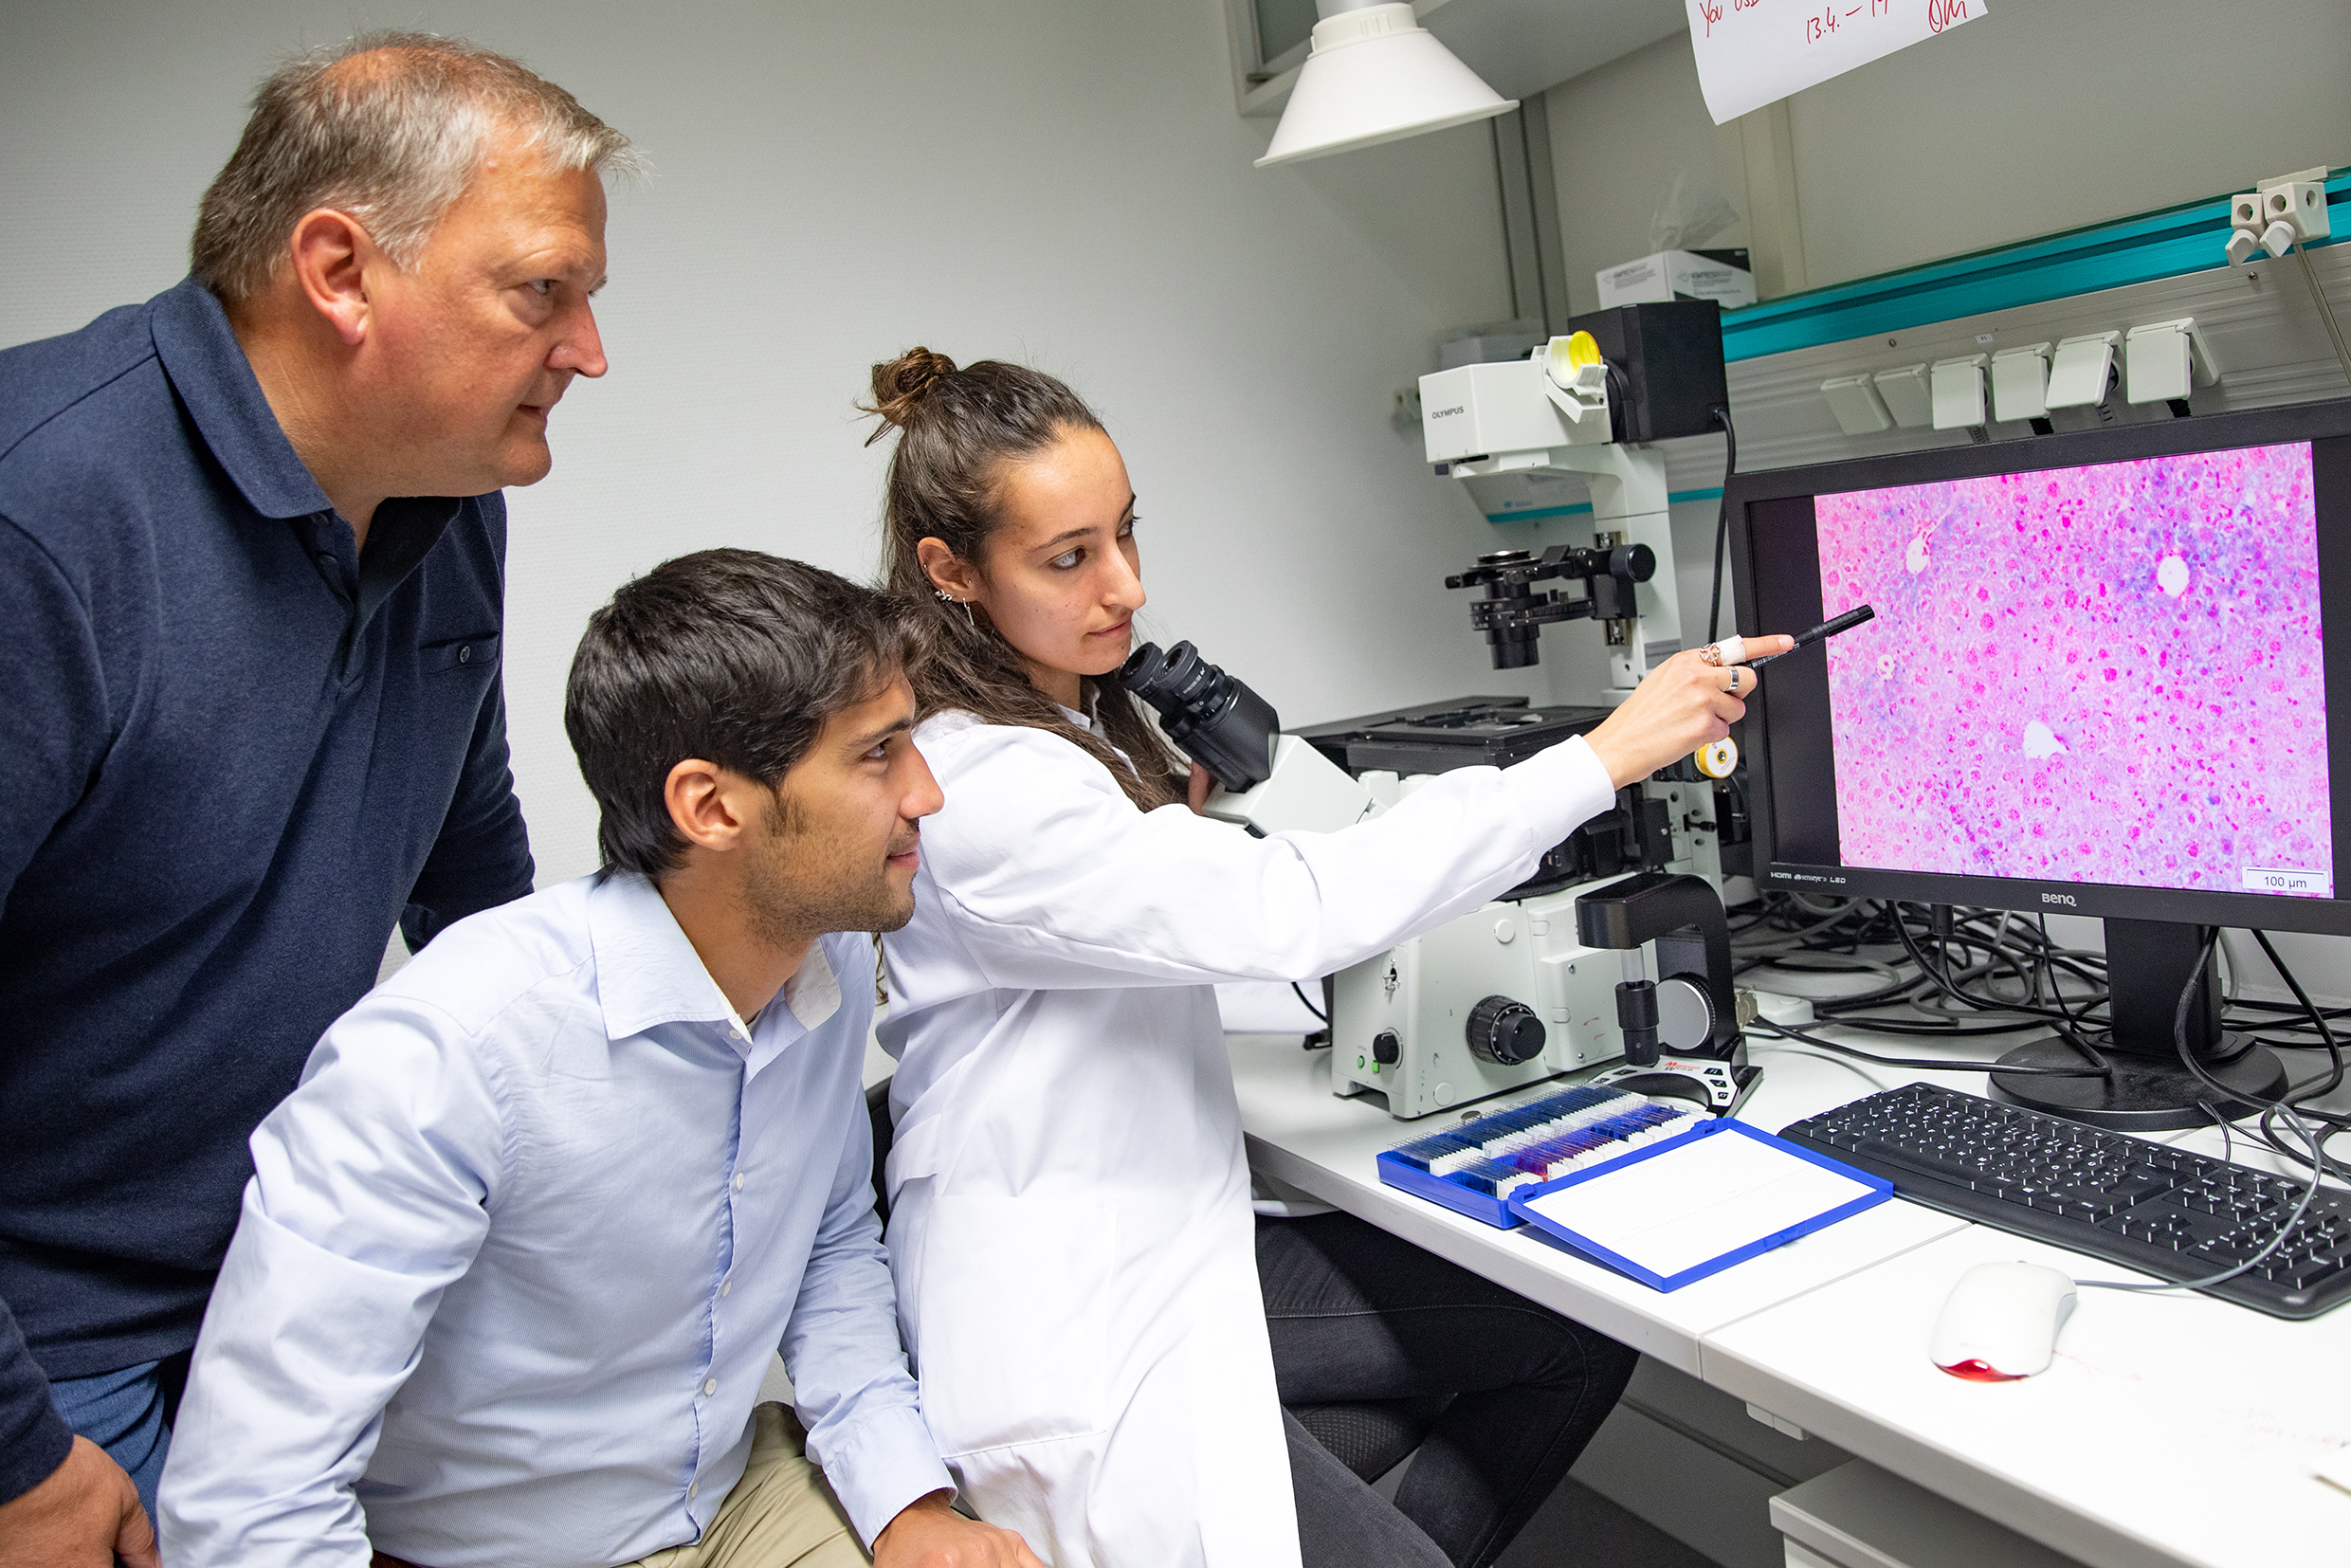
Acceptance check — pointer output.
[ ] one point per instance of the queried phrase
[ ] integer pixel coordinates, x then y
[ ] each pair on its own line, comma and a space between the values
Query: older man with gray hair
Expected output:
252, 556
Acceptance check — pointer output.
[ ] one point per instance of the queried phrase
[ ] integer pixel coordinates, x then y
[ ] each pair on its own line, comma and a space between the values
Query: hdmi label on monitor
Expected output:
2266, 879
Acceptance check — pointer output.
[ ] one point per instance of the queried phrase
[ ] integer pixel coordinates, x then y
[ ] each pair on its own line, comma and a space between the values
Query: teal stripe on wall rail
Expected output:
1673, 498
2164, 243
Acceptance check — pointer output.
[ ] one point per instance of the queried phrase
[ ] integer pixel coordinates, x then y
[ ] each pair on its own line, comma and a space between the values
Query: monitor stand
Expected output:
2147, 966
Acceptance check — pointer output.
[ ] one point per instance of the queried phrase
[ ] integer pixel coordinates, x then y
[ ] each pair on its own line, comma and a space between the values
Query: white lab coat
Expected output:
1070, 1224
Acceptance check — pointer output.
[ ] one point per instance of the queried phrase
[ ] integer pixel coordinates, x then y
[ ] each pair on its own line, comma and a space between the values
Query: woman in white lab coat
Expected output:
1070, 1222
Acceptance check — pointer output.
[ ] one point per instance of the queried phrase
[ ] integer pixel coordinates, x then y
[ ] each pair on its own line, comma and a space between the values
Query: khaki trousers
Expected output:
782, 1514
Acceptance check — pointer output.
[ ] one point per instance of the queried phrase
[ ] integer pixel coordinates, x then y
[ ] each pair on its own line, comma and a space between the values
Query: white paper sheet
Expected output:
1695, 1202
1754, 52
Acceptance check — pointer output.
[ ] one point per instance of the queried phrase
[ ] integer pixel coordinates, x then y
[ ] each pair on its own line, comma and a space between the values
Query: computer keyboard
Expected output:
2143, 1205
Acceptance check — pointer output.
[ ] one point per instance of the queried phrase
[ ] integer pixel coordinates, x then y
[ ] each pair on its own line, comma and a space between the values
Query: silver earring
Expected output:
945, 598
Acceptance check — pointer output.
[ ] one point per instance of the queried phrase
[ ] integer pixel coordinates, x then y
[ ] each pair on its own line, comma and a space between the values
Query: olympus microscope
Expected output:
1512, 993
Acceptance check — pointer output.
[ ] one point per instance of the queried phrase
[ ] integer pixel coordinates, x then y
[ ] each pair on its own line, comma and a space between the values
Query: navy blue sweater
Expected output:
234, 753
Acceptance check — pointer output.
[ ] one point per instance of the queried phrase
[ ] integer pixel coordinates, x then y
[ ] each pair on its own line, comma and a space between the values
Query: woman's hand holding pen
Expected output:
1681, 705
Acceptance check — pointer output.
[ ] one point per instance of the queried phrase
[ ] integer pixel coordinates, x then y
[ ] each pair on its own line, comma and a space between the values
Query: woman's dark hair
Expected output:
957, 431
731, 656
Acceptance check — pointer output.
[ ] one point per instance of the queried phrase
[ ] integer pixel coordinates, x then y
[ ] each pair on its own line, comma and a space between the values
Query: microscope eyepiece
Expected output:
1218, 720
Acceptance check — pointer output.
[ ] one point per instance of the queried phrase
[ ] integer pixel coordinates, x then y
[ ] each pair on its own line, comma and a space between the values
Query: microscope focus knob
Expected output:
1504, 1033
1685, 1014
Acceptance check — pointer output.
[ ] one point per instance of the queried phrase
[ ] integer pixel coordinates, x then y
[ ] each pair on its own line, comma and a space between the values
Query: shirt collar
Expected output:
210, 371
647, 974
213, 378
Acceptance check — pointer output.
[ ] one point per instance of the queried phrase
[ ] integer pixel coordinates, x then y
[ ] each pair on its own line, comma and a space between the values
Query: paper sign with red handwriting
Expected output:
1754, 52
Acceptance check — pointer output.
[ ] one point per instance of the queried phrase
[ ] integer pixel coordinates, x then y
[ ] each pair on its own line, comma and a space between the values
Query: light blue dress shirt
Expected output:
518, 1251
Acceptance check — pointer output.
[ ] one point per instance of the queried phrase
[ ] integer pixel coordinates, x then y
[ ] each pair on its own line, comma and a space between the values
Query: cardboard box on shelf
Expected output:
1722, 276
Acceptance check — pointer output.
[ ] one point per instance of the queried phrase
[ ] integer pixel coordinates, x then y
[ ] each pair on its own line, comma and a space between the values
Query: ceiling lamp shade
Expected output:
1375, 75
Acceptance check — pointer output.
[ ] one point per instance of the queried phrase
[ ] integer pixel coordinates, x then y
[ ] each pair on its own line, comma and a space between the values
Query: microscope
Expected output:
1513, 992
1517, 990
1588, 406
1690, 1007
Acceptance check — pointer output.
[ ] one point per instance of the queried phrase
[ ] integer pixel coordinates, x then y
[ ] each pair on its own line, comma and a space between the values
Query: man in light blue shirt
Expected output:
518, 1252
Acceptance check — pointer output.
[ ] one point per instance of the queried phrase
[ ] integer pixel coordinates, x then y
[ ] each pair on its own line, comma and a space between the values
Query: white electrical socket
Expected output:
1855, 403
2281, 211
2079, 373
1959, 392
2300, 201
2162, 359
1907, 396
2285, 209
2020, 383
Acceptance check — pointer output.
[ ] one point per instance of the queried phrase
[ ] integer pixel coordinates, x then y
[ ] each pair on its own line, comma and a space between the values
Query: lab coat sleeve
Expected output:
841, 1347
372, 1191
1054, 881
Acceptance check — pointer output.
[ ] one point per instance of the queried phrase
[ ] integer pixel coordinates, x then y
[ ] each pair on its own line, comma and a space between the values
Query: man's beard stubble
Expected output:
785, 904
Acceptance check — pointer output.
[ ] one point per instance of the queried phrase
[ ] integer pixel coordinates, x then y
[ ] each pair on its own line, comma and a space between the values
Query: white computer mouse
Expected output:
2000, 1321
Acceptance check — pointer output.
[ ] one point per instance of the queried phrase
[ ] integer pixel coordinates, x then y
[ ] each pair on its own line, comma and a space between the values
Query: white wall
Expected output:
2047, 115
1064, 184
1618, 138
2041, 116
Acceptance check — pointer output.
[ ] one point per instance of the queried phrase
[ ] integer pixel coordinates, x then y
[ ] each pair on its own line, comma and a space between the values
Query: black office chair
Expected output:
1369, 1439
878, 1112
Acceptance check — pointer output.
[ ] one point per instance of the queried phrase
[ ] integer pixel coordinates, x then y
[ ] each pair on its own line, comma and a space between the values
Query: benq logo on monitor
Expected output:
2066, 899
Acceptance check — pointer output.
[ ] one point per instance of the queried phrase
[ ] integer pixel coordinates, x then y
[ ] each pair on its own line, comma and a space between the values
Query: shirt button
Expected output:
710, 1385
464, 655
738, 1181
726, 1286
694, 1491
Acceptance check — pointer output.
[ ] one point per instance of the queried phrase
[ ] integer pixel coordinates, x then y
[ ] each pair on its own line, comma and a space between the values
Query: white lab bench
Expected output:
2173, 1428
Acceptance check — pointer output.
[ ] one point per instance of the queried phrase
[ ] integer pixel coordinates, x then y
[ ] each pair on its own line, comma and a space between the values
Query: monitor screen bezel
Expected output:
2203, 432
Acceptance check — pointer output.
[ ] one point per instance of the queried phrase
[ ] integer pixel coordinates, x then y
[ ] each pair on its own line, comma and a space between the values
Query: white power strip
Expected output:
1774, 1008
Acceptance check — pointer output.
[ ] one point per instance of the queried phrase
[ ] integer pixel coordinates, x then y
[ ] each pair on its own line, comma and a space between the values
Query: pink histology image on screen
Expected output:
2108, 674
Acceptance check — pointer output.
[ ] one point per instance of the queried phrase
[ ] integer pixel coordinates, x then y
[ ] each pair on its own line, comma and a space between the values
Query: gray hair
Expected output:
388, 128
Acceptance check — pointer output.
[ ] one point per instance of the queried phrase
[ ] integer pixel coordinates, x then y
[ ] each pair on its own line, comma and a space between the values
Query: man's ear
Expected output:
946, 570
707, 804
331, 254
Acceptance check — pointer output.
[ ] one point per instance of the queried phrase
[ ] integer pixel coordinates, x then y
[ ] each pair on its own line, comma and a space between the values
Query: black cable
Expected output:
1925, 1064
2317, 1019
1309, 1006
2317, 1162
1861, 921
2187, 1058
2063, 1019
1722, 519
1922, 1029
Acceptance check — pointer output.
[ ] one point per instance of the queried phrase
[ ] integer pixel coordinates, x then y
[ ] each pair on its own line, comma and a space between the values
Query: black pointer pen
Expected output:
1822, 632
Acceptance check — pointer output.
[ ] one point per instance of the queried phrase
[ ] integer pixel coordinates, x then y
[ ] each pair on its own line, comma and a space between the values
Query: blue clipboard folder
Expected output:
1650, 1225
1471, 1168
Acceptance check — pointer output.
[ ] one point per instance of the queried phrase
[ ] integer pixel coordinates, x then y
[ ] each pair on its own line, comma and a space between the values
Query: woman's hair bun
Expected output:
900, 384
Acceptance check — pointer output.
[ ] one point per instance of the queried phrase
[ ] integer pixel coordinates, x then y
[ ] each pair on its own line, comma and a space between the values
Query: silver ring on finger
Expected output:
1735, 680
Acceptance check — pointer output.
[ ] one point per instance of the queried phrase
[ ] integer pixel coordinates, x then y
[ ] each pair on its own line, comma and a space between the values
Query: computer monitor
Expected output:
2109, 675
